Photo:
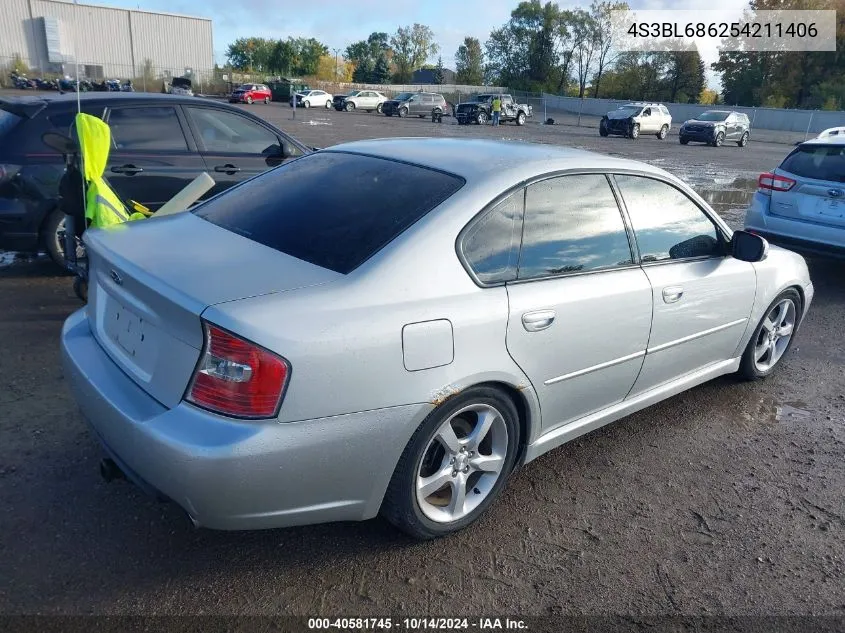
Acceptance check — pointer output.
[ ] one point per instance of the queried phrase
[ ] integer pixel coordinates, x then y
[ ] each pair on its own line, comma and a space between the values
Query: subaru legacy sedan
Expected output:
446, 311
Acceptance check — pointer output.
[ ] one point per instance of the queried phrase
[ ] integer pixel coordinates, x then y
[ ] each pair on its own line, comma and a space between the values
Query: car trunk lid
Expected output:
149, 283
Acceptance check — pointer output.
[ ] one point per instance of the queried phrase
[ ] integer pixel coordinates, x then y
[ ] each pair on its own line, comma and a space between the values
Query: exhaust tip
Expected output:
110, 471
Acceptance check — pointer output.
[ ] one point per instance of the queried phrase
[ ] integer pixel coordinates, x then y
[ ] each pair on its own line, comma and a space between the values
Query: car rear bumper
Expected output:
229, 474
798, 235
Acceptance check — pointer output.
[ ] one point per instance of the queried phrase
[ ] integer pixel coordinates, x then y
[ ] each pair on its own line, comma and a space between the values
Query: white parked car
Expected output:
368, 100
832, 131
633, 119
312, 99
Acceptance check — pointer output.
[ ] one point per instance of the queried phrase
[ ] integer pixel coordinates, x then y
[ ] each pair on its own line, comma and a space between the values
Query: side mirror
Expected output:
748, 247
62, 144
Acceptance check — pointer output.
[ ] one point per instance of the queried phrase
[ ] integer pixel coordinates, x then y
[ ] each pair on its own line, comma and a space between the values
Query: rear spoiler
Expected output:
26, 108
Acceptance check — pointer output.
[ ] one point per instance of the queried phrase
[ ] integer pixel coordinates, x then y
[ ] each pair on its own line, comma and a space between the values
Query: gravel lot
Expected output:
724, 500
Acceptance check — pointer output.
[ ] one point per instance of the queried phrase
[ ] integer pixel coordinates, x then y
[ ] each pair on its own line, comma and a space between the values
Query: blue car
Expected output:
801, 204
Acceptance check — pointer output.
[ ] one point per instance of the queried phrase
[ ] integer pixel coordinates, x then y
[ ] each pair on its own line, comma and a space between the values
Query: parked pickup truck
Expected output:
480, 110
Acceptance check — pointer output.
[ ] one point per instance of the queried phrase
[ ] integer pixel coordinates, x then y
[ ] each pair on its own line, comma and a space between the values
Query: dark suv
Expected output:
160, 143
715, 127
421, 104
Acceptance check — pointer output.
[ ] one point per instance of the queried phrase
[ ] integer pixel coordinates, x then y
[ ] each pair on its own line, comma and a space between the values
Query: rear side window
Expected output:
821, 162
147, 128
572, 224
491, 245
332, 209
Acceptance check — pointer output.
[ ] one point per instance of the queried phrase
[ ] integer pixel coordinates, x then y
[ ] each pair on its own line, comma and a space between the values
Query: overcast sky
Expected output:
338, 23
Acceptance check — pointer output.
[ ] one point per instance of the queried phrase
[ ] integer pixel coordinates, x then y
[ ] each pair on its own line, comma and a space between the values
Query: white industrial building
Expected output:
52, 36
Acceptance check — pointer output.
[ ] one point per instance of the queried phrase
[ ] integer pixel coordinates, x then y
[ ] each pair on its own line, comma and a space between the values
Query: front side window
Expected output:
491, 245
227, 132
147, 128
667, 224
572, 224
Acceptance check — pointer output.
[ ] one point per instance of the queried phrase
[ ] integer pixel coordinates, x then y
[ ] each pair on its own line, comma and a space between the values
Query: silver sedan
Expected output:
440, 313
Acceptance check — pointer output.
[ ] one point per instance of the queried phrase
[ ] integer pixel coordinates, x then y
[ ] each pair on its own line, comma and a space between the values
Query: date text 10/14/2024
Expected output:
419, 624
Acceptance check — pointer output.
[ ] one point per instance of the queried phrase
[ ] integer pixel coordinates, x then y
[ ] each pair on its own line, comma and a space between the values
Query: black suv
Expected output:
715, 127
421, 104
160, 143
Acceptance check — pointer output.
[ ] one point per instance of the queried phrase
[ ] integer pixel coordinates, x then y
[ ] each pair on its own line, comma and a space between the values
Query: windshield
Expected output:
403, 96
713, 116
353, 93
630, 109
481, 98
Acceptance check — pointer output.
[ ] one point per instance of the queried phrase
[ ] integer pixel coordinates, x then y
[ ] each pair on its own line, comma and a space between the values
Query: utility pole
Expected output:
336, 67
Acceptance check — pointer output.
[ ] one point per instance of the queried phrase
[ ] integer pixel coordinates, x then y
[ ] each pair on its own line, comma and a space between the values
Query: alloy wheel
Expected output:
462, 463
774, 336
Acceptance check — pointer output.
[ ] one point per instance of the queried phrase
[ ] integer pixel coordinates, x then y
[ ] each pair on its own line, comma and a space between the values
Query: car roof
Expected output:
825, 140
480, 159
105, 97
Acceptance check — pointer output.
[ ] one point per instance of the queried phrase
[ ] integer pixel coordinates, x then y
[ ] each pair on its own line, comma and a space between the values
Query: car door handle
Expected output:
127, 169
539, 320
229, 169
672, 294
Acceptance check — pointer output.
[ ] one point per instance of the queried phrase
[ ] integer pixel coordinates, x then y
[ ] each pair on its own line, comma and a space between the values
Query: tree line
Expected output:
543, 47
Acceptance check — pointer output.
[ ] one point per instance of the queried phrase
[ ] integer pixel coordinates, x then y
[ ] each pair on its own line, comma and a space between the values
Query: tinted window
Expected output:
667, 224
228, 132
491, 246
823, 162
146, 128
353, 206
572, 224
8, 121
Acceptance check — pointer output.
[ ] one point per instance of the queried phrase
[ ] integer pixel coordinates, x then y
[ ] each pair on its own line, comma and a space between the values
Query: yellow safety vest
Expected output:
102, 205
497, 105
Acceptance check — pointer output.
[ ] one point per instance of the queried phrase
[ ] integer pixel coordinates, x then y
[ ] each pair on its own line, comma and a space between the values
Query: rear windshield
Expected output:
822, 162
8, 121
332, 209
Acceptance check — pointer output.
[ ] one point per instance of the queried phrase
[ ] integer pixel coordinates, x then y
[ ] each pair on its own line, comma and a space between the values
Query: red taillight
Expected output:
237, 378
775, 182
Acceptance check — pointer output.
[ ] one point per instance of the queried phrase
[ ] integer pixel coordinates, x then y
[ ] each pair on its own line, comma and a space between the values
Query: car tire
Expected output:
249, 100
349, 106
603, 128
328, 104
766, 348
663, 133
683, 141
720, 138
403, 112
481, 118
52, 236
378, 108
306, 104
266, 100
520, 118
80, 289
634, 134
743, 141
426, 455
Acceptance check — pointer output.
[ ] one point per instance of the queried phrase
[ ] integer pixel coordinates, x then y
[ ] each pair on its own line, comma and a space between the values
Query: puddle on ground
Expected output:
790, 411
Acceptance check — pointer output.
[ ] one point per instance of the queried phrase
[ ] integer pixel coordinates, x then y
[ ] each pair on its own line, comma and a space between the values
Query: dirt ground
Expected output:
725, 500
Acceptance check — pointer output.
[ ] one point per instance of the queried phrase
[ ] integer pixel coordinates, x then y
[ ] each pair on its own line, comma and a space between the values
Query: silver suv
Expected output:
801, 204
633, 119
715, 127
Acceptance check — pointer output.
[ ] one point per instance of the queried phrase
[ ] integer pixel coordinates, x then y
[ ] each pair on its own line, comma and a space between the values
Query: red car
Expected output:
249, 93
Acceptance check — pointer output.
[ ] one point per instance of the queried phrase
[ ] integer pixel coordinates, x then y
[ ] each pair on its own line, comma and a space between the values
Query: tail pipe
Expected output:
110, 471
